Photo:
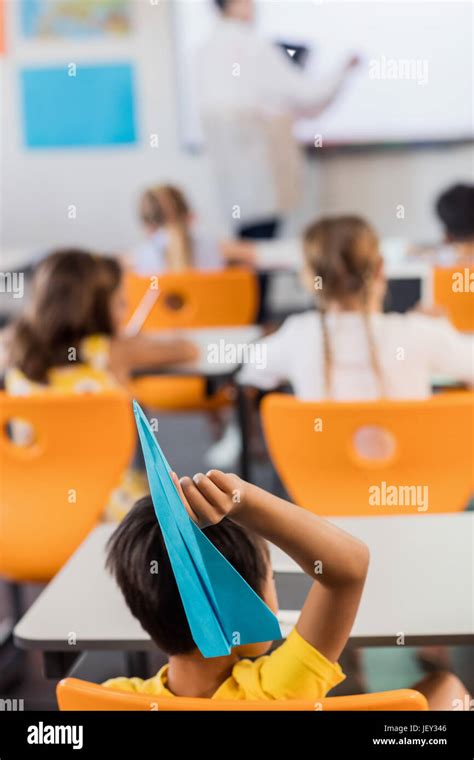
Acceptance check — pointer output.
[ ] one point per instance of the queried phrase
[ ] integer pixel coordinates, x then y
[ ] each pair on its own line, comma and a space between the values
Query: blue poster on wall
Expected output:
74, 18
85, 107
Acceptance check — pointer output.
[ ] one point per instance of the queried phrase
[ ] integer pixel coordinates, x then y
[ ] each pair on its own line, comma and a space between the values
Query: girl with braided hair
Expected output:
346, 348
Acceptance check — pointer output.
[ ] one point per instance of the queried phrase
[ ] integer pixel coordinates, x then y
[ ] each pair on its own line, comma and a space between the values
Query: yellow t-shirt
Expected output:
296, 670
88, 374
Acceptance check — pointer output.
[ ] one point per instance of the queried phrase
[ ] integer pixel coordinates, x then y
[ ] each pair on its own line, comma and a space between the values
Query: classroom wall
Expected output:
38, 186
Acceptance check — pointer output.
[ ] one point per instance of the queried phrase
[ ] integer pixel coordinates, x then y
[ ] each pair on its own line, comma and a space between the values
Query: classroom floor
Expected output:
374, 669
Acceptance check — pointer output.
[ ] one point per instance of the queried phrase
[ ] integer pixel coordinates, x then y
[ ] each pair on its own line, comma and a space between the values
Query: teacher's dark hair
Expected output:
222, 4
138, 559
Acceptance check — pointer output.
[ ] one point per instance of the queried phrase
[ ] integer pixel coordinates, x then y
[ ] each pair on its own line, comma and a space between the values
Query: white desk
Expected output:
419, 584
206, 339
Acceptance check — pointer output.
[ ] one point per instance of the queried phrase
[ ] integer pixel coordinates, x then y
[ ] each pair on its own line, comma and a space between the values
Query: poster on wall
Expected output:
74, 18
93, 107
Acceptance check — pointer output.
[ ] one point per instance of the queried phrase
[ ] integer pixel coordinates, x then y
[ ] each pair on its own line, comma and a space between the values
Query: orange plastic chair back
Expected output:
73, 694
324, 452
173, 393
195, 298
452, 291
53, 491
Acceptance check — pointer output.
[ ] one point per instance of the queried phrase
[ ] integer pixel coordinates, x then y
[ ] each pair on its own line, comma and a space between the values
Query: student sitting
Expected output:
69, 340
173, 242
305, 665
347, 348
455, 210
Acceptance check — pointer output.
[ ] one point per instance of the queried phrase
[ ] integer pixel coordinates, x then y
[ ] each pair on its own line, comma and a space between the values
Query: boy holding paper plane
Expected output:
235, 516
194, 568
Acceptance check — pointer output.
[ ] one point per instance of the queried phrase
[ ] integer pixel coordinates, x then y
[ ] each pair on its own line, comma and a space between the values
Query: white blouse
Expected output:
412, 348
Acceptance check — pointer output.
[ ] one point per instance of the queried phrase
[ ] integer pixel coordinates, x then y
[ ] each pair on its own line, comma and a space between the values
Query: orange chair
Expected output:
73, 694
315, 447
173, 393
53, 491
195, 298
186, 300
451, 291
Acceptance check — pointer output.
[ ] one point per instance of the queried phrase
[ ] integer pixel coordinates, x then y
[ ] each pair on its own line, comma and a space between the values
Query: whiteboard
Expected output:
414, 83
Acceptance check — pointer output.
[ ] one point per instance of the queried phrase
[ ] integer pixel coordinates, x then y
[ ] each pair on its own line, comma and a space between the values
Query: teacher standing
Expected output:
250, 94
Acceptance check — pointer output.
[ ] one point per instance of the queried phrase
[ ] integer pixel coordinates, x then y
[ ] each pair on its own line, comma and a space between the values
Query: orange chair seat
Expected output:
177, 393
74, 694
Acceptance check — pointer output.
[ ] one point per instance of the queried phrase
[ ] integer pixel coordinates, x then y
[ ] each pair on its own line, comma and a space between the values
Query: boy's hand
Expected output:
209, 498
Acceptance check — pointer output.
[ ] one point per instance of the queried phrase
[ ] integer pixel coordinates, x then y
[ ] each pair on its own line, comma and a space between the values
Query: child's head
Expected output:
74, 294
344, 268
243, 10
139, 561
343, 253
455, 209
163, 205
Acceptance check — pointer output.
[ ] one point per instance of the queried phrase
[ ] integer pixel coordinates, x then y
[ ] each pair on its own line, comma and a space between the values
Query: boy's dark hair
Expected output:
222, 4
455, 208
153, 597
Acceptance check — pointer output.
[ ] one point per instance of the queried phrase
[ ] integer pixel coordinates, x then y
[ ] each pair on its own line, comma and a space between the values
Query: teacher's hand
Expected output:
353, 62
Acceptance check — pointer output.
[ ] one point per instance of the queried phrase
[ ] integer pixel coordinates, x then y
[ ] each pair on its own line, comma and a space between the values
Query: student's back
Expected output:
349, 349
412, 348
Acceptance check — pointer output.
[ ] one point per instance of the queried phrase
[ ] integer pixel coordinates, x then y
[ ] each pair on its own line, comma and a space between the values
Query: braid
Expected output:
327, 351
374, 359
344, 253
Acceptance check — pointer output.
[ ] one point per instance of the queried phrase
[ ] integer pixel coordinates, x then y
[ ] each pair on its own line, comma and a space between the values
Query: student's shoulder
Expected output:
427, 336
295, 330
415, 323
304, 322
156, 685
95, 349
295, 670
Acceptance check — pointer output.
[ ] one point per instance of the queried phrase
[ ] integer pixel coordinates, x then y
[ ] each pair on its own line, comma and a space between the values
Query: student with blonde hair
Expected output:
347, 348
173, 243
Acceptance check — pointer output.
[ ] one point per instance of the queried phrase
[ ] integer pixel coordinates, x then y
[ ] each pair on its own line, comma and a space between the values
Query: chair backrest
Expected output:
453, 289
195, 298
53, 491
73, 694
373, 458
